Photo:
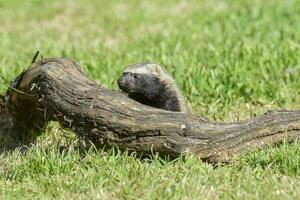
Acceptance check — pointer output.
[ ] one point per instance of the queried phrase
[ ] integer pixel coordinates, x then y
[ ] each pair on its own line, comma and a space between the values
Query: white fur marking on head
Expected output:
148, 68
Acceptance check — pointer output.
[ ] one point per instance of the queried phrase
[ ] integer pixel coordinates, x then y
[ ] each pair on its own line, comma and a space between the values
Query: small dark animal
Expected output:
150, 84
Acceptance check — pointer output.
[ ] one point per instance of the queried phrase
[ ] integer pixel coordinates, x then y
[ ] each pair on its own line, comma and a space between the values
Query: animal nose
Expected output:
121, 82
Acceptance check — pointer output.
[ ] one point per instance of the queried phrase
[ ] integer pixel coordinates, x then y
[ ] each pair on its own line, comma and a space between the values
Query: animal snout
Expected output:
121, 82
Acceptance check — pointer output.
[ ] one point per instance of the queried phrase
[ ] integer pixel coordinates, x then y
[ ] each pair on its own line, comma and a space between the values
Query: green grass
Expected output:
233, 59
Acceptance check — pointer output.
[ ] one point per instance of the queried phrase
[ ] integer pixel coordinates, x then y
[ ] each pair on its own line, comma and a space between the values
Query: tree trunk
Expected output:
57, 89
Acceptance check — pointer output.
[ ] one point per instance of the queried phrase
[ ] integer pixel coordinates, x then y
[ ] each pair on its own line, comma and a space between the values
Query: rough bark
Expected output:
57, 89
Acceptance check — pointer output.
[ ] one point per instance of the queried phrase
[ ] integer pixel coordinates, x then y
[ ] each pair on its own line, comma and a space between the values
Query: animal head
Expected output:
143, 78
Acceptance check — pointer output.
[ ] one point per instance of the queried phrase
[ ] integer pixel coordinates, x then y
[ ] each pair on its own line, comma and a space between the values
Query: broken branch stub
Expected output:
57, 89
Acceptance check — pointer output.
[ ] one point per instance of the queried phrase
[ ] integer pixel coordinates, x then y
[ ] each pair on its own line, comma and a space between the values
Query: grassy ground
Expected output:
233, 59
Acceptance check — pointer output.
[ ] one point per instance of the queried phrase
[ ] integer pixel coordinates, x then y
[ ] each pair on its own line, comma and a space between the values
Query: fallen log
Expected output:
56, 89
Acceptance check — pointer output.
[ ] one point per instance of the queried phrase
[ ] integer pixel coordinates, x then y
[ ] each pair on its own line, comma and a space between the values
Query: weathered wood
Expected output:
57, 89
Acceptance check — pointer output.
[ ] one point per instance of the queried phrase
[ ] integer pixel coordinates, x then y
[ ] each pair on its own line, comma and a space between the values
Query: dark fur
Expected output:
149, 90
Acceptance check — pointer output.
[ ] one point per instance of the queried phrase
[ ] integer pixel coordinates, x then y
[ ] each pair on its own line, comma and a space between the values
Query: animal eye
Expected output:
135, 76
